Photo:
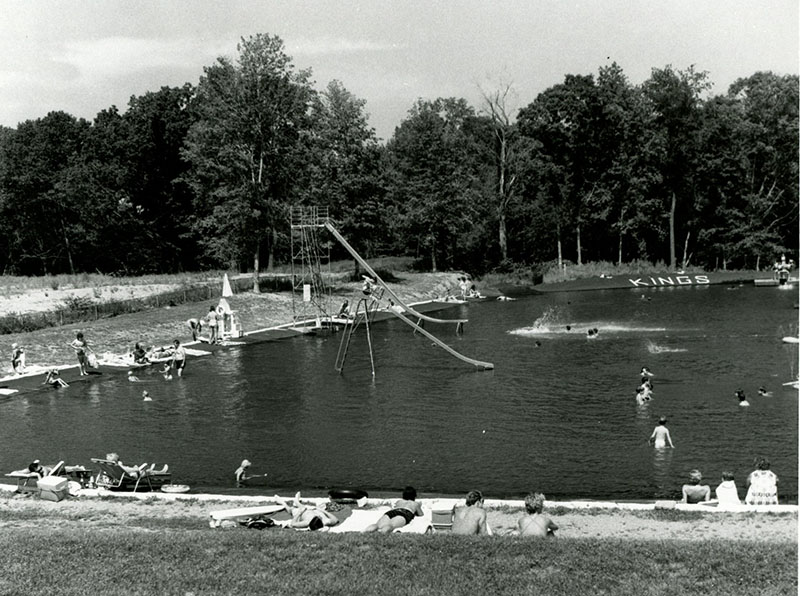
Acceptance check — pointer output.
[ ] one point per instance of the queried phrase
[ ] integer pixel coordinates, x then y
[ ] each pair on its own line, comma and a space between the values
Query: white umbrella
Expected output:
226, 287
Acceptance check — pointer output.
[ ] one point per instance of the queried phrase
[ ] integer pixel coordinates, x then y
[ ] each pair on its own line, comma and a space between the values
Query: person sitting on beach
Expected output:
694, 492
472, 518
534, 523
404, 512
660, 437
114, 458
742, 398
53, 378
17, 358
762, 484
344, 310
303, 516
726, 492
138, 354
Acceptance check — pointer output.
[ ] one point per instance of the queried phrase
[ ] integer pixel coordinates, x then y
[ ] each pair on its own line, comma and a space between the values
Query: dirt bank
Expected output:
159, 326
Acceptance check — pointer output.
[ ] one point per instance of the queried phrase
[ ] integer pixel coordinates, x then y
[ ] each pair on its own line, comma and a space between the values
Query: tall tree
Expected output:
156, 127
505, 155
252, 114
343, 168
433, 176
563, 121
675, 97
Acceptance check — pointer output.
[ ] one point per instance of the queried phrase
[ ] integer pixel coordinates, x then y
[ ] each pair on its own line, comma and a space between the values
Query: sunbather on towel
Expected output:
303, 516
404, 512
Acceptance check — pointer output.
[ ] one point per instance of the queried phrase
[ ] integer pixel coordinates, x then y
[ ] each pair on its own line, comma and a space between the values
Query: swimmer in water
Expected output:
641, 397
646, 372
660, 437
146, 396
132, 377
167, 372
762, 391
742, 398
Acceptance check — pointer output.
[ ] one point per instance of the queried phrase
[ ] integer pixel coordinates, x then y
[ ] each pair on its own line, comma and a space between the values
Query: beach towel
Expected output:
361, 518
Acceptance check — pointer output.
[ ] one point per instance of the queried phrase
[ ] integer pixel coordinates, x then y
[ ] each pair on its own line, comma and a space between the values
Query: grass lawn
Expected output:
274, 561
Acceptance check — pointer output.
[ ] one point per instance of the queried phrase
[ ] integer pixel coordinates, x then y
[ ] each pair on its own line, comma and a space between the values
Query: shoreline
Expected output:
101, 509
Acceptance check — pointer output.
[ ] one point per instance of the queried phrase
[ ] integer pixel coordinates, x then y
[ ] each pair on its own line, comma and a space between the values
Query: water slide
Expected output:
381, 283
477, 363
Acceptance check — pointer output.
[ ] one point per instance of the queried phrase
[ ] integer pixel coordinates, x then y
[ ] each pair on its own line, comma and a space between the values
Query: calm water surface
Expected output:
559, 416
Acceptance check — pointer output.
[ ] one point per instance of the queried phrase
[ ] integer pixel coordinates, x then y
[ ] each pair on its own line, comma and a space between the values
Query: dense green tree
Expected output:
156, 126
564, 121
675, 97
47, 223
343, 169
433, 177
252, 115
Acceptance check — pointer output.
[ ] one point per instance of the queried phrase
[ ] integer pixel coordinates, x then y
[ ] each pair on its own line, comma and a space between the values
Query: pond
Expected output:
557, 414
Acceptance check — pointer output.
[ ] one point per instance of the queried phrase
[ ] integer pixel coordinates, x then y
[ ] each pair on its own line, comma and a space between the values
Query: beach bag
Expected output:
91, 360
259, 523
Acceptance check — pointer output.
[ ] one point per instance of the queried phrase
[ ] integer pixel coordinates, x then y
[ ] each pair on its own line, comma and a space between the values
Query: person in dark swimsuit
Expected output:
404, 512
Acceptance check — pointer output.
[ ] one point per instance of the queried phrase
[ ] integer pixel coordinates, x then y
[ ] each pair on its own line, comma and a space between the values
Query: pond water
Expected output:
557, 414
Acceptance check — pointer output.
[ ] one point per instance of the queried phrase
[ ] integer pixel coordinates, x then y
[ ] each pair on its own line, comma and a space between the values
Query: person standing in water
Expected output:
660, 437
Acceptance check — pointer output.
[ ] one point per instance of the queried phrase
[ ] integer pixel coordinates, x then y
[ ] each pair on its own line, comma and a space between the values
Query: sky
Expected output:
83, 56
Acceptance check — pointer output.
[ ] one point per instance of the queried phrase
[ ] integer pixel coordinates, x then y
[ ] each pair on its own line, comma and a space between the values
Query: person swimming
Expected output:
762, 391
132, 377
646, 372
146, 396
742, 398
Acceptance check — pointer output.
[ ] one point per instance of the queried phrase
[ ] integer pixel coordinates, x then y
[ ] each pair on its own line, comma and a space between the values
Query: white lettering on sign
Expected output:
681, 280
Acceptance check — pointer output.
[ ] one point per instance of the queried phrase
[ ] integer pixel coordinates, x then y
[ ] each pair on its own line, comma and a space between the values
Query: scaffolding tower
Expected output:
311, 296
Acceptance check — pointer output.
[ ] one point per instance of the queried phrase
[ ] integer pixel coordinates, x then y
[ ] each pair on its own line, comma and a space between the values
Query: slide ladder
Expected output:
340, 358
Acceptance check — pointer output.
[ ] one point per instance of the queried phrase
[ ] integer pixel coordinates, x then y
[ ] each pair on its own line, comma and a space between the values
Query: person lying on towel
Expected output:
303, 516
404, 512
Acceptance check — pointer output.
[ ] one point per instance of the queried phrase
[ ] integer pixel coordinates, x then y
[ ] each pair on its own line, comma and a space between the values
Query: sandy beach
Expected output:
146, 512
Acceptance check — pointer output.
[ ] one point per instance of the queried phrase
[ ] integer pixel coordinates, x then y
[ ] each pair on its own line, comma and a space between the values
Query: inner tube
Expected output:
346, 495
175, 488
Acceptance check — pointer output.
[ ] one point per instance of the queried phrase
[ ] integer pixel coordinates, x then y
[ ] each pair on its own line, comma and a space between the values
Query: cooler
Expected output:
53, 488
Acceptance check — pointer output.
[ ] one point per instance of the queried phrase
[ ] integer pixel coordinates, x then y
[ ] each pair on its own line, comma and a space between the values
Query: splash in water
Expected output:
654, 348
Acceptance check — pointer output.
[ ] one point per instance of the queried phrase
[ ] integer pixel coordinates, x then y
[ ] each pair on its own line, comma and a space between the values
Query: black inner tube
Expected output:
338, 494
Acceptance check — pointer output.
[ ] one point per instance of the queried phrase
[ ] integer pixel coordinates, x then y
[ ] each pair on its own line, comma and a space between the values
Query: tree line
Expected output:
593, 169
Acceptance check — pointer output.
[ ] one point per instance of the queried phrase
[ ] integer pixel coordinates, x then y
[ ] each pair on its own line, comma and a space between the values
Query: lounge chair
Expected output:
28, 482
113, 476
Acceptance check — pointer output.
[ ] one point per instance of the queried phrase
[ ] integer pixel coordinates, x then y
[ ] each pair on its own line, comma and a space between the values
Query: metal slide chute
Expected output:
381, 283
343, 349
